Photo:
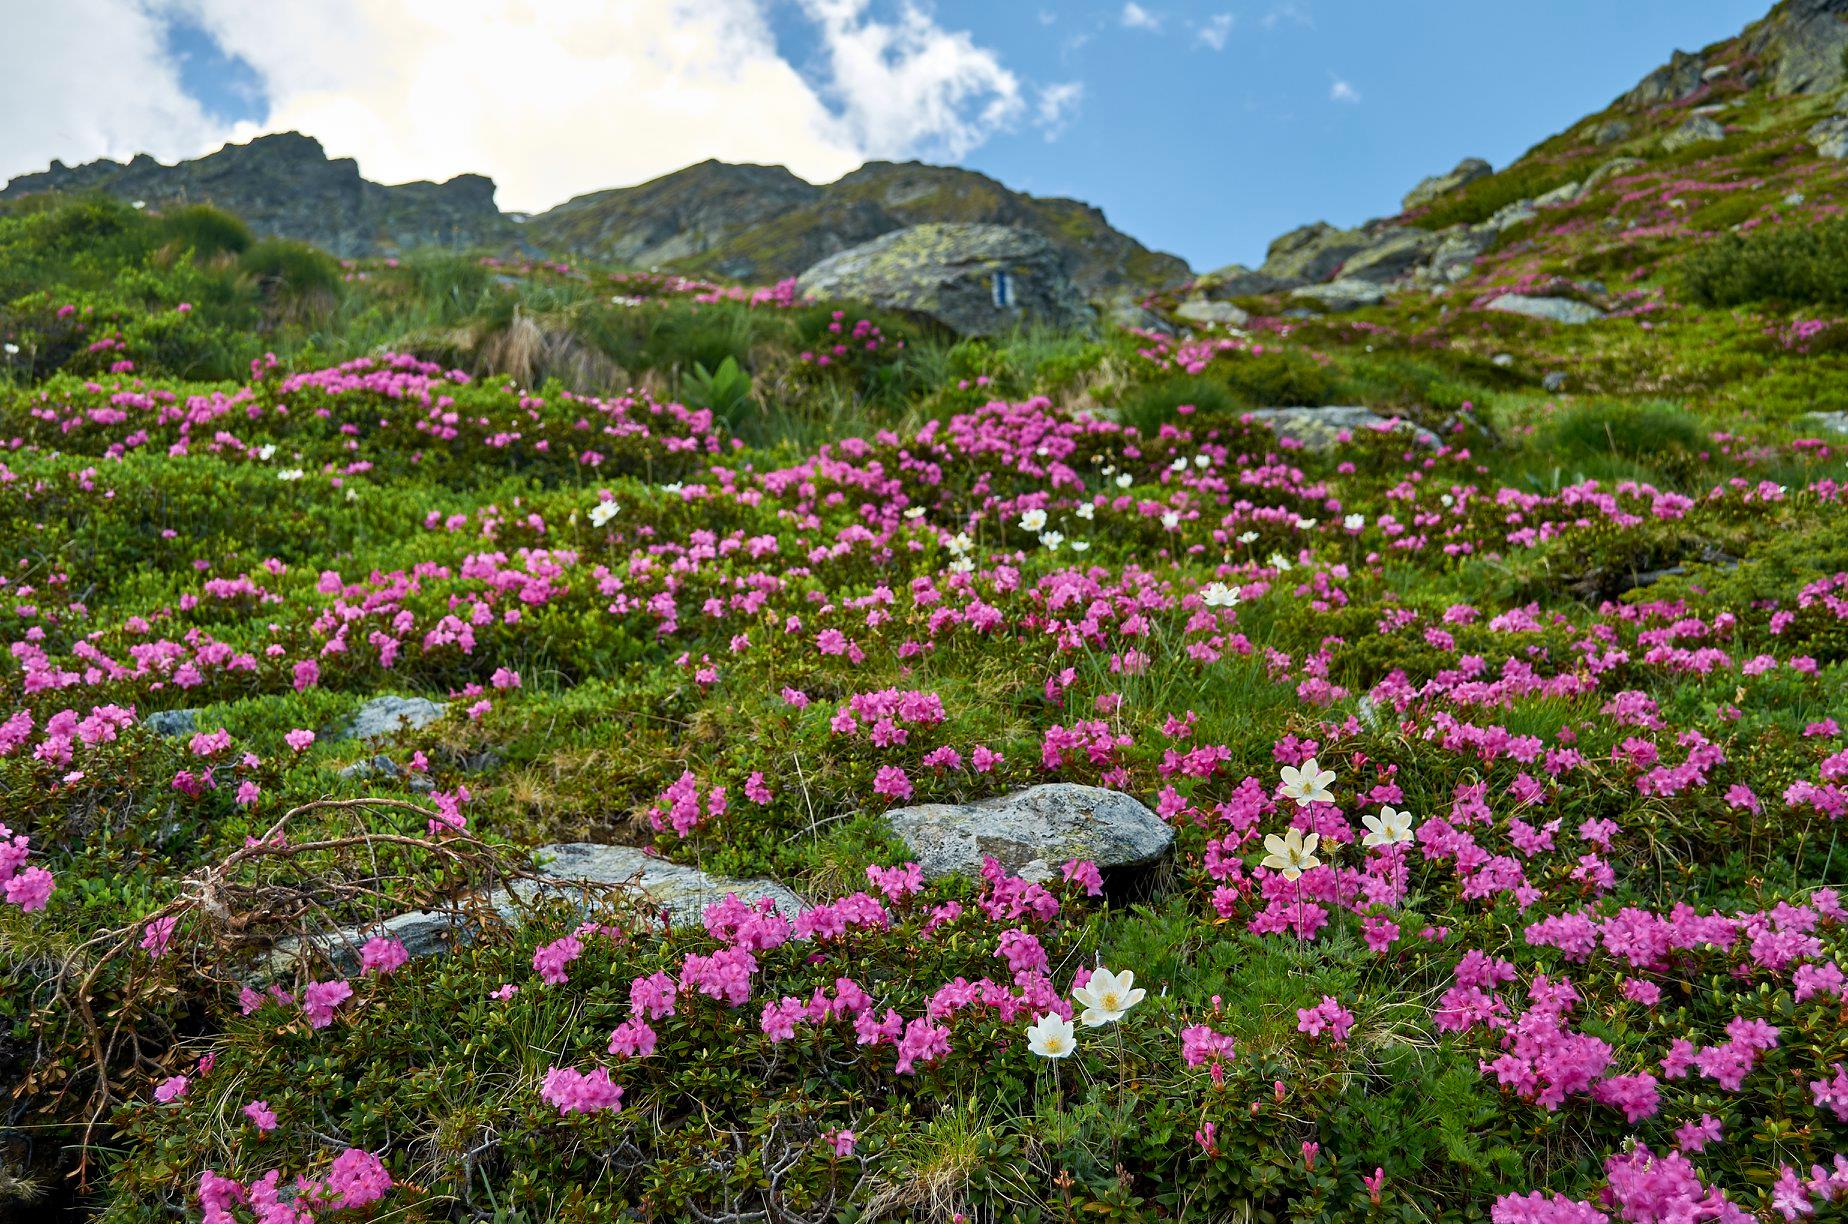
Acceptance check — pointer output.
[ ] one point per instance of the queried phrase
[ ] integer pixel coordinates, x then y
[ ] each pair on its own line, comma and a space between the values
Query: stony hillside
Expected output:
285, 186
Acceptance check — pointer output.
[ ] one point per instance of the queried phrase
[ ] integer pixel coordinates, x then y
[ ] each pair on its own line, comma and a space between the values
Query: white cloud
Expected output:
1287, 10
1342, 91
81, 79
911, 86
1135, 17
1056, 107
551, 99
1214, 31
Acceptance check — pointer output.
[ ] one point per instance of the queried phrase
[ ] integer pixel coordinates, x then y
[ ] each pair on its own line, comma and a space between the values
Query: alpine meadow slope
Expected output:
570, 728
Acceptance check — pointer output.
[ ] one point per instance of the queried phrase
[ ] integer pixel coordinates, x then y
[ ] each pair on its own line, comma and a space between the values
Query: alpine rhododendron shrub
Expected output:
1504, 772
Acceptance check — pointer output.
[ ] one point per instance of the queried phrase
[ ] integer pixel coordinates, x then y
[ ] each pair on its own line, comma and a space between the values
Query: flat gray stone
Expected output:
682, 892
1467, 171
1032, 832
382, 766
1396, 253
1554, 309
1344, 294
387, 715
1320, 428
1696, 129
172, 722
1202, 310
1830, 137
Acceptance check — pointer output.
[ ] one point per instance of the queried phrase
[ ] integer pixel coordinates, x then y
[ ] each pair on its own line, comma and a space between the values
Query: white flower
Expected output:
1219, 595
1179, 465
1448, 500
140, 204
267, 451
675, 487
1107, 996
1125, 480
1052, 540
1050, 1036
1278, 561
12, 350
1354, 522
1305, 524
960, 543
1041, 451
1309, 784
1081, 545
352, 494
1292, 854
961, 565
1203, 461
1389, 828
1171, 520
1033, 520
602, 513
1247, 537
914, 512
290, 474
1085, 510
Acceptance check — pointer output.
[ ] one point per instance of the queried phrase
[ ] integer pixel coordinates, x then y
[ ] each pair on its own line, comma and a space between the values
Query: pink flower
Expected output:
381, 956
298, 739
575, 1092
319, 999
170, 1090
261, 1116
155, 936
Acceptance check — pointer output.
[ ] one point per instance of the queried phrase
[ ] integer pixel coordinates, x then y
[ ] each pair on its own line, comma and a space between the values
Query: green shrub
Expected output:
1798, 265
207, 230
292, 270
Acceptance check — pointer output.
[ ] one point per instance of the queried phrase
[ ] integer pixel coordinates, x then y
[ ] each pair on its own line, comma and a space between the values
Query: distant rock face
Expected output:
1032, 832
1612, 131
1392, 254
1804, 41
763, 223
1236, 280
286, 186
975, 279
1697, 129
1321, 429
1671, 82
1554, 309
1467, 171
1311, 253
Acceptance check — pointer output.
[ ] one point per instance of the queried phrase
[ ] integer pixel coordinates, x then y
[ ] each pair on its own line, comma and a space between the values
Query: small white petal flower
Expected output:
1081, 545
267, 451
1033, 520
1247, 537
1292, 854
1085, 510
1179, 465
1309, 784
290, 474
914, 512
1305, 524
1051, 540
1050, 1036
1125, 480
1389, 828
1354, 522
1107, 996
1219, 595
602, 513
1278, 561
1171, 520
1203, 461
960, 543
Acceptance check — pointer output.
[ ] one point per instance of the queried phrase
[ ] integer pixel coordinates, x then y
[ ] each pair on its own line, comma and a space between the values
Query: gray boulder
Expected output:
1204, 310
566, 870
1554, 309
1394, 253
1696, 129
1555, 380
1236, 280
1834, 422
1032, 832
1312, 252
1804, 41
1609, 170
1467, 171
1455, 255
974, 279
1611, 131
1562, 194
1124, 309
387, 715
1830, 137
1321, 429
1343, 294
1671, 82
172, 722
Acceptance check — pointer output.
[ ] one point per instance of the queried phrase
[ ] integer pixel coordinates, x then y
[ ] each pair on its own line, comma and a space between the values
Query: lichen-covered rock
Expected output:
1204, 310
172, 722
1236, 280
390, 714
1321, 429
975, 279
1032, 832
1611, 131
681, 892
1804, 42
1467, 171
1696, 129
1395, 253
1553, 309
1830, 137
1312, 253
1344, 294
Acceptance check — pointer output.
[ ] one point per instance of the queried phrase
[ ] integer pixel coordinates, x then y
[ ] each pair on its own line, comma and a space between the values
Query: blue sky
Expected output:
1202, 127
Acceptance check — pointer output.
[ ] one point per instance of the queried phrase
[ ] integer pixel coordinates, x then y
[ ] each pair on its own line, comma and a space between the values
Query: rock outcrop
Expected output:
1467, 171
1552, 309
285, 186
1322, 429
387, 715
974, 279
1032, 832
